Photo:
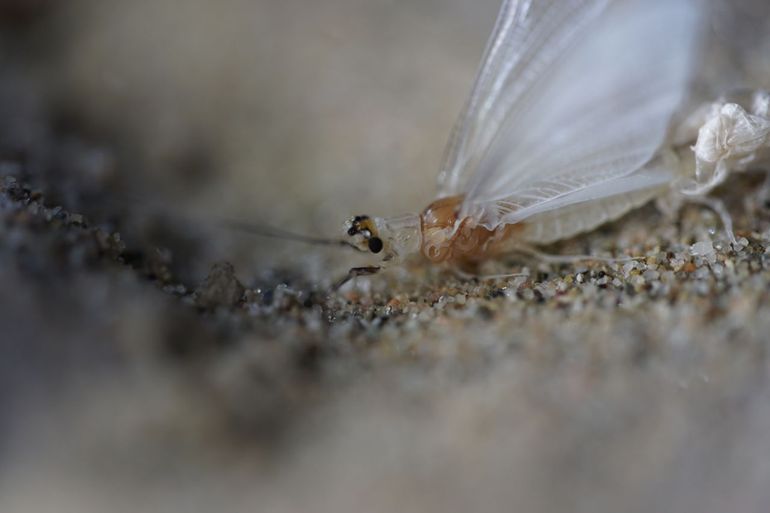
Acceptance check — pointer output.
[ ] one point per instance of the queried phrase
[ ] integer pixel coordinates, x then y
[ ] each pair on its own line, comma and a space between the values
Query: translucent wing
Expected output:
573, 93
528, 36
593, 206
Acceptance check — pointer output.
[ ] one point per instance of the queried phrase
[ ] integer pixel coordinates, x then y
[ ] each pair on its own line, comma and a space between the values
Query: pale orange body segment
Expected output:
443, 240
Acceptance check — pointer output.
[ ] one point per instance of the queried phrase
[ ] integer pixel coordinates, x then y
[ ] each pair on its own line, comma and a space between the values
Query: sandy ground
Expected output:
152, 360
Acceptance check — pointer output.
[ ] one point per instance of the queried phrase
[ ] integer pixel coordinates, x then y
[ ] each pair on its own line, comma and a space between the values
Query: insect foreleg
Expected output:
355, 272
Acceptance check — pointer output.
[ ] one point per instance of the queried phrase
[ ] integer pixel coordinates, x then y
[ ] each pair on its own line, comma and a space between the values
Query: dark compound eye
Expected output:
352, 231
375, 244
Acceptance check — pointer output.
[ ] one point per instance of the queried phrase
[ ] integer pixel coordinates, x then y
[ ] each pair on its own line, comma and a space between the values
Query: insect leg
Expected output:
719, 208
355, 272
551, 258
763, 195
483, 277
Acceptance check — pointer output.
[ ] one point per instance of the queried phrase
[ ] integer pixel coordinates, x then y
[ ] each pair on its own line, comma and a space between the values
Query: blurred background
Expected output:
156, 118
293, 113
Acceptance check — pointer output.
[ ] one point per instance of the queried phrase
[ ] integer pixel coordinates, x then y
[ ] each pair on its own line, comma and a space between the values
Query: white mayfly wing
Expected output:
573, 99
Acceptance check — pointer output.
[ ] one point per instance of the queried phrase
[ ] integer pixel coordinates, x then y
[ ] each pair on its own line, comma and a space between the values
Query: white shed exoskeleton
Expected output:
570, 124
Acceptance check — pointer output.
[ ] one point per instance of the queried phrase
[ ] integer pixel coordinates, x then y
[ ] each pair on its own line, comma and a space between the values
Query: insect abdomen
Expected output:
582, 217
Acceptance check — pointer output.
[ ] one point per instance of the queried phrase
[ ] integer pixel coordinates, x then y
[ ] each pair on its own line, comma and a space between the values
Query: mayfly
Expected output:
580, 112
570, 124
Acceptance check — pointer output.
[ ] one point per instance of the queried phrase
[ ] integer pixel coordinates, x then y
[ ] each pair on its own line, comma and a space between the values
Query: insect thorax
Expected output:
446, 237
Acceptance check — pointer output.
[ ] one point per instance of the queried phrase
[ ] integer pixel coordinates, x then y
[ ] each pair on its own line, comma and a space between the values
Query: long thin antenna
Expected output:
258, 229
264, 230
